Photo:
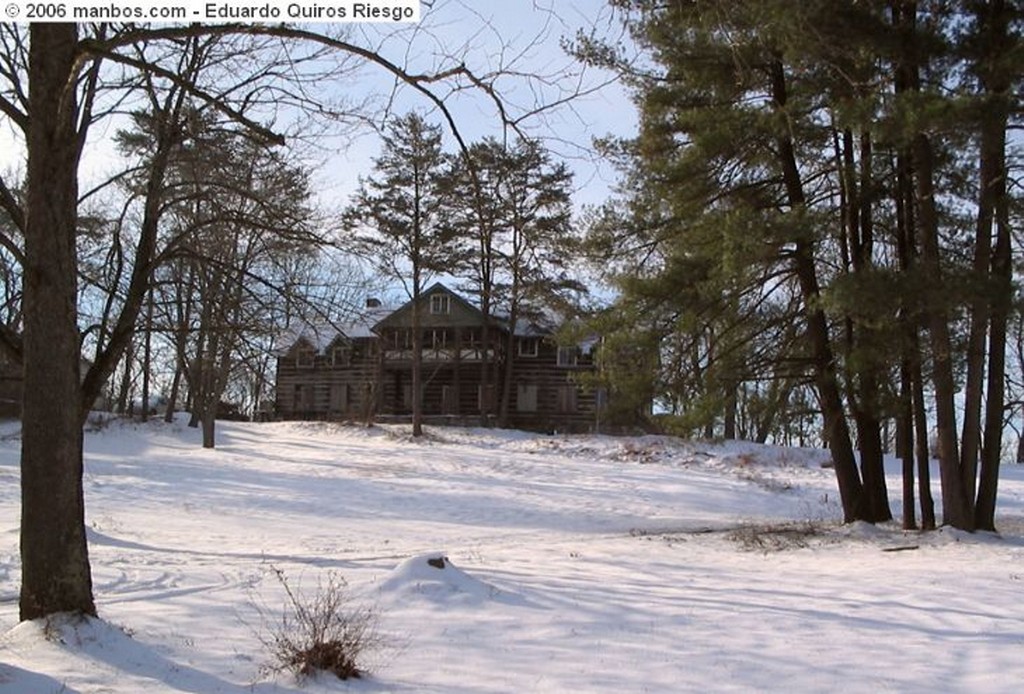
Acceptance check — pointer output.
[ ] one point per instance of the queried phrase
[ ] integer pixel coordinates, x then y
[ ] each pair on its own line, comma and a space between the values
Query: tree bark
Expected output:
913, 423
147, 357
837, 431
905, 444
172, 398
924, 470
1002, 274
956, 505
731, 411
906, 78
417, 359
994, 18
56, 576
209, 421
870, 367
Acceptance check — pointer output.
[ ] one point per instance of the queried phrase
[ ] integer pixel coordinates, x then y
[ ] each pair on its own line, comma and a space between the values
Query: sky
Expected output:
522, 38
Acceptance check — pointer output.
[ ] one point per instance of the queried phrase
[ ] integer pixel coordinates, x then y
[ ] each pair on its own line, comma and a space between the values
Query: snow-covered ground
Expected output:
576, 564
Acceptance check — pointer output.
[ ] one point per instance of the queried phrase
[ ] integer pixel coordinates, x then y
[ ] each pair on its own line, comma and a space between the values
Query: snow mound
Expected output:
66, 632
85, 654
433, 576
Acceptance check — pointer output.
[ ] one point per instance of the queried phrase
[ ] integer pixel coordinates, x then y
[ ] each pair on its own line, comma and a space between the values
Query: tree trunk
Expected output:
209, 420
172, 398
871, 366
924, 470
837, 432
917, 426
417, 359
994, 18
992, 187
957, 507
56, 576
872, 467
905, 444
147, 357
731, 408
507, 366
1002, 271
487, 363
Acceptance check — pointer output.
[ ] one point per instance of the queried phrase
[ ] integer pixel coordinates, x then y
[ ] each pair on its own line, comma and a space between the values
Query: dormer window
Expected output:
341, 355
528, 346
304, 357
440, 304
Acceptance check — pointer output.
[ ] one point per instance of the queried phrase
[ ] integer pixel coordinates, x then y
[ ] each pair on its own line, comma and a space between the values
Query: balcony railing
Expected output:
441, 354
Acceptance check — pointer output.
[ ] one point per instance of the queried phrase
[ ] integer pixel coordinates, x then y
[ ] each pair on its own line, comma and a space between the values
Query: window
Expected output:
304, 357
568, 356
526, 398
485, 398
440, 304
402, 339
437, 338
528, 346
303, 398
567, 399
449, 400
341, 355
339, 397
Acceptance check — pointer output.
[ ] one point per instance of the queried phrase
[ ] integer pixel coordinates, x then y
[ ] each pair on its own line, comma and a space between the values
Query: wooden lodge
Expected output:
363, 370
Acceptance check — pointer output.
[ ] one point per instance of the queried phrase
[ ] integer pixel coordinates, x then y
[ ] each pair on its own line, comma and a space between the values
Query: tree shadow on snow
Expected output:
16, 680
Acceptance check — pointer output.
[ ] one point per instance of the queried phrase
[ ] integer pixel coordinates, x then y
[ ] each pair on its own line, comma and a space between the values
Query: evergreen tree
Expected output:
515, 215
398, 216
818, 152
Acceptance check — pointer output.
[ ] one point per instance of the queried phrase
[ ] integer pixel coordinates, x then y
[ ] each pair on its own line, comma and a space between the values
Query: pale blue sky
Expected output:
523, 36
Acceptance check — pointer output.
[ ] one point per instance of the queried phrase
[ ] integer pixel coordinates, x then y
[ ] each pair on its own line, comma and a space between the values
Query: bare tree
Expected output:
51, 82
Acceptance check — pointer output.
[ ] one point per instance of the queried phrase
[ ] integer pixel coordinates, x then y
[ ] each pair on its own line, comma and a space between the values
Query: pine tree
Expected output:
398, 214
514, 218
839, 137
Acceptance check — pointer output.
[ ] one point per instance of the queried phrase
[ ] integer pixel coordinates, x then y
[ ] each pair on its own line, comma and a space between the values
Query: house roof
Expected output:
533, 327
321, 335
465, 312
370, 321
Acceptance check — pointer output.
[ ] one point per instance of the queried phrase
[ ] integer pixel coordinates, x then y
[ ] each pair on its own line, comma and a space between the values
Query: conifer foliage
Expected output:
817, 203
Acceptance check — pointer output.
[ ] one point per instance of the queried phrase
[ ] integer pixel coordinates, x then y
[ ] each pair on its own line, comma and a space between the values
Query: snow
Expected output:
501, 561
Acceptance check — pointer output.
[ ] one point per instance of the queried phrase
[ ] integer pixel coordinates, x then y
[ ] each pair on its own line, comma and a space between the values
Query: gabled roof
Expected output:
369, 322
534, 327
463, 312
322, 335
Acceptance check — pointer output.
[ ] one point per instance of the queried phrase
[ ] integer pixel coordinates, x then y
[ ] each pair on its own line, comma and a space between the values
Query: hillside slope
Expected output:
585, 564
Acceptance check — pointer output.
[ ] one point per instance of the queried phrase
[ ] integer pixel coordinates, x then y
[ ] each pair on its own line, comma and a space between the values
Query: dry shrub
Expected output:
321, 631
775, 537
